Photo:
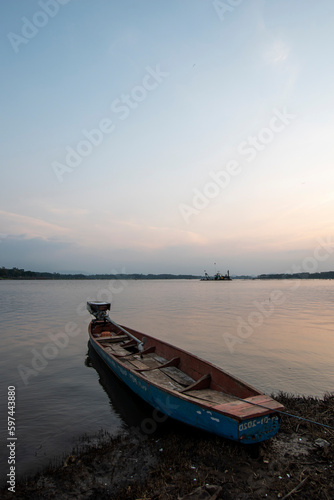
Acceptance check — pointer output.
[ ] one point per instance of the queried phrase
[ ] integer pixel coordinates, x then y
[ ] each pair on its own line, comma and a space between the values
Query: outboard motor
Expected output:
99, 310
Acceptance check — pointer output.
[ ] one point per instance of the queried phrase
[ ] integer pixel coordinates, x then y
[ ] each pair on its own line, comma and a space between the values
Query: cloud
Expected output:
154, 237
127, 234
69, 212
30, 227
38, 254
97, 233
93, 242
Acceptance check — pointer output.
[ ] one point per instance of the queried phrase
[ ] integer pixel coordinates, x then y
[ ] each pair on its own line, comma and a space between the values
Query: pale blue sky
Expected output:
180, 89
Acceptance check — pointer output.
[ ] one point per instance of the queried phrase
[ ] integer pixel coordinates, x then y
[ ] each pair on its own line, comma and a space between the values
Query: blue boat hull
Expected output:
248, 431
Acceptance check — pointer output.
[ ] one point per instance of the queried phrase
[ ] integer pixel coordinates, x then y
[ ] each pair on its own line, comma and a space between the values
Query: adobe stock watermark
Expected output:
321, 253
263, 310
225, 7
105, 294
57, 342
40, 358
121, 108
150, 425
31, 27
249, 148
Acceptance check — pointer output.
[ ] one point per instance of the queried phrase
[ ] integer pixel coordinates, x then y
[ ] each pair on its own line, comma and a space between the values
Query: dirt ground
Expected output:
178, 462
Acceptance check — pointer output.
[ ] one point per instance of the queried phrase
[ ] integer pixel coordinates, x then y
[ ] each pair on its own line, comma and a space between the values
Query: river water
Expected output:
275, 335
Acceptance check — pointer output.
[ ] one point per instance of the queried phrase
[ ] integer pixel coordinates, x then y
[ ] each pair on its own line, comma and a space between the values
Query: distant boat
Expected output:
182, 385
217, 277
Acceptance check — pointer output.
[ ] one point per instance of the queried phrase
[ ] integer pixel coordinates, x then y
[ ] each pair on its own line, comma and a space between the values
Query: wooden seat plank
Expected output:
119, 351
115, 338
158, 358
210, 395
154, 364
160, 378
179, 376
150, 363
137, 364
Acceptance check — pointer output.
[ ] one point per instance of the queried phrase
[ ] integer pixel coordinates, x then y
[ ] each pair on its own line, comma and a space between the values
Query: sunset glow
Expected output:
158, 137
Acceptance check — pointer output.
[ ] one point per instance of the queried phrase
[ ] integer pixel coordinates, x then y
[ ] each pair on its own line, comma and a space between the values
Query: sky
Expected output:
154, 136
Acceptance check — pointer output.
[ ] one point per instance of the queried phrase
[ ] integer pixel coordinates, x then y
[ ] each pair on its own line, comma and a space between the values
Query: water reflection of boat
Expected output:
182, 385
127, 405
217, 277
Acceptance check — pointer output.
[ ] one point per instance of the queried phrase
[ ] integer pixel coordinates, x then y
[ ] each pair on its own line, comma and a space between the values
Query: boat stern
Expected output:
257, 417
255, 430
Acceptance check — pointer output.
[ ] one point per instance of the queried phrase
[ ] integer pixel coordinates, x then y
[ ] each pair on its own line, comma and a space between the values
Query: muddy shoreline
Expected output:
178, 462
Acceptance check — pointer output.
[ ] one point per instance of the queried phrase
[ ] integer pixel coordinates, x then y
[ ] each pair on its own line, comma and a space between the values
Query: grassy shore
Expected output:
178, 462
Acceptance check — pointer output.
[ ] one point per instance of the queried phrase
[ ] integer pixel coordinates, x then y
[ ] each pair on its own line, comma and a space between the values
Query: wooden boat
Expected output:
182, 385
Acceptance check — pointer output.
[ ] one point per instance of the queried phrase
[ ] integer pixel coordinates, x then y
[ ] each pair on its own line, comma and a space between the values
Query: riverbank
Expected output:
178, 462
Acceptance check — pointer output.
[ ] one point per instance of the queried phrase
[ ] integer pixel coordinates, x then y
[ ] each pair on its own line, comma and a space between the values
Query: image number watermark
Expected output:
11, 445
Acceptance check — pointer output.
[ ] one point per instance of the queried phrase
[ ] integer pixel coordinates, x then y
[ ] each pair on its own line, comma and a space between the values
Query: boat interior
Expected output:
174, 369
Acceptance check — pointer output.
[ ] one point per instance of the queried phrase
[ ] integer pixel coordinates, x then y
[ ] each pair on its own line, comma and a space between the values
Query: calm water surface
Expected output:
275, 335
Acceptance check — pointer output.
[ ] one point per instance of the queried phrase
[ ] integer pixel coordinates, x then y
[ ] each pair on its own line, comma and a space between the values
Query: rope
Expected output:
284, 413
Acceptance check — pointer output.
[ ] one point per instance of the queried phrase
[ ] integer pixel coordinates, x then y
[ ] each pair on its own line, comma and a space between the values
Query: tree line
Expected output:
16, 273
326, 275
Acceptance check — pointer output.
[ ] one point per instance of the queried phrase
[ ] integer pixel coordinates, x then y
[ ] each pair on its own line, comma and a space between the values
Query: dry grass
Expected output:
177, 460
